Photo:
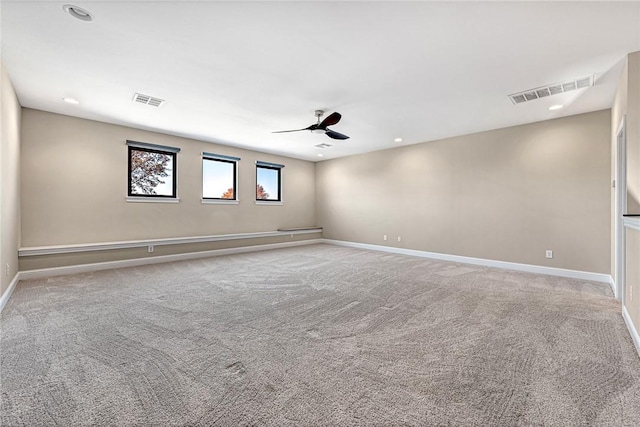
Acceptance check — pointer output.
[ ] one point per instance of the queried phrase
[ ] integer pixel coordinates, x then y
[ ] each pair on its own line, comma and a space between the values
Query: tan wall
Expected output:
74, 186
506, 195
10, 177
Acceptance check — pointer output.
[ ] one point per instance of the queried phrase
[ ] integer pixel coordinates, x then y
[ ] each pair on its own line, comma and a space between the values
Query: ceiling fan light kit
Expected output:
321, 126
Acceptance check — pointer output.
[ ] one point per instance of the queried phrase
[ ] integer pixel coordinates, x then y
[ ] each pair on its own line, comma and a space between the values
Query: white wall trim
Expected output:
85, 268
632, 222
7, 294
87, 247
632, 328
551, 271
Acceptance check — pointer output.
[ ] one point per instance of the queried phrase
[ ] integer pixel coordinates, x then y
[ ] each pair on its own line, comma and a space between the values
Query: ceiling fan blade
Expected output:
330, 120
335, 135
295, 130
285, 131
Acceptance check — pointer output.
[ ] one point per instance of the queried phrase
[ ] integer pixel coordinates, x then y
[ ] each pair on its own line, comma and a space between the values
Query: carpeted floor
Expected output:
317, 335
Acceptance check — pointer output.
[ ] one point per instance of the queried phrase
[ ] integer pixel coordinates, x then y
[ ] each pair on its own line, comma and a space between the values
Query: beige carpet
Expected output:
317, 335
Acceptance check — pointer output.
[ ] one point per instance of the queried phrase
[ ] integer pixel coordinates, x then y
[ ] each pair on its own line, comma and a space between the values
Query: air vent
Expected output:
323, 145
148, 100
554, 89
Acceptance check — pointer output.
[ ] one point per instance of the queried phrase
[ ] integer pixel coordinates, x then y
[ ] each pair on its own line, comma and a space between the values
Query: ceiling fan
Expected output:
321, 126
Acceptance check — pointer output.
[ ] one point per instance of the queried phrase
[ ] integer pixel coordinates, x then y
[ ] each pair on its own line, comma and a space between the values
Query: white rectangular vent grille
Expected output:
554, 89
148, 100
323, 145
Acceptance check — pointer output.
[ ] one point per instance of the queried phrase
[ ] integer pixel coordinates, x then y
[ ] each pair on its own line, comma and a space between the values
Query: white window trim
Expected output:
269, 202
219, 202
147, 199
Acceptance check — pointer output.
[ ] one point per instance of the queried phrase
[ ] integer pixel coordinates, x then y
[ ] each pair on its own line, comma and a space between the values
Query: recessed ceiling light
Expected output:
397, 140
71, 100
555, 107
78, 12
320, 155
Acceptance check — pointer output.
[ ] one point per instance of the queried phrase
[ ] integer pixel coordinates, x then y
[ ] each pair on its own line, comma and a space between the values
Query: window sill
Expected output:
219, 202
268, 203
152, 199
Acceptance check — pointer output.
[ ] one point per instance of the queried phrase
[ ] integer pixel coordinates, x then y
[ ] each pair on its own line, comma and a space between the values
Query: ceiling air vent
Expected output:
554, 89
148, 100
323, 145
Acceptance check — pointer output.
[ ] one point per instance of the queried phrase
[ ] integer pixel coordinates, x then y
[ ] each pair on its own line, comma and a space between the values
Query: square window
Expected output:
268, 183
152, 172
219, 177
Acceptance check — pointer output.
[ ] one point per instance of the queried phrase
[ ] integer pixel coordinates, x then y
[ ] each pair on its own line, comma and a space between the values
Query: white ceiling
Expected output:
233, 72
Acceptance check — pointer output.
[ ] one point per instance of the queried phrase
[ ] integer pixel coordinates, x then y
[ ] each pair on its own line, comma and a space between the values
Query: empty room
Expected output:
308, 213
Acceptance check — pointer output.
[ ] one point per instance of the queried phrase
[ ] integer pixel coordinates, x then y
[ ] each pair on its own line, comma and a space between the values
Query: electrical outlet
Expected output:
150, 249
549, 254
6, 269
399, 238
384, 237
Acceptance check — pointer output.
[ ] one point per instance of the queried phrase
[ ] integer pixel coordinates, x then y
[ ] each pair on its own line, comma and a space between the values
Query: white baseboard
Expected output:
84, 268
614, 288
632, 328
7, 294
550, 271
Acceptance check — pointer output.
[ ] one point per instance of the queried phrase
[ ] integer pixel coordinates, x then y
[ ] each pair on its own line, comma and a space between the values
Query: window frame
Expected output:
224, 159
159, 149
270, 166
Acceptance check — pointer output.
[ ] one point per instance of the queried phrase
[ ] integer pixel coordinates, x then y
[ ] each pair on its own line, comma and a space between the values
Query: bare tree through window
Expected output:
151, 173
